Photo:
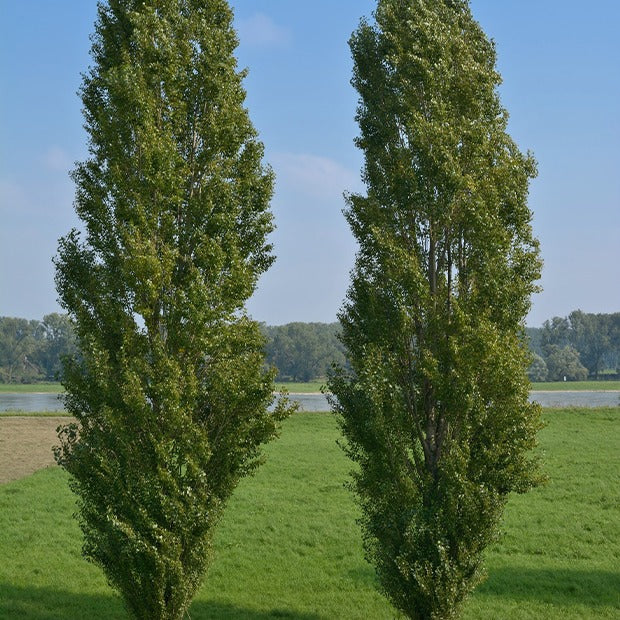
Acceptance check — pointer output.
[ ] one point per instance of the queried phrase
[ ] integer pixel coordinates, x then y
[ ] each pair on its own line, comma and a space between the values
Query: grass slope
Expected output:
288, 546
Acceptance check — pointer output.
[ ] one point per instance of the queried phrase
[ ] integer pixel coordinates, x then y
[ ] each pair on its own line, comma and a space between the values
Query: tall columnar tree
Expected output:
170, 391
435, 411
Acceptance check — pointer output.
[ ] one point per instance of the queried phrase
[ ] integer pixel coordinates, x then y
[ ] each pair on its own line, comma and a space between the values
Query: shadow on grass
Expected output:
363, 575
556, 586
50, 604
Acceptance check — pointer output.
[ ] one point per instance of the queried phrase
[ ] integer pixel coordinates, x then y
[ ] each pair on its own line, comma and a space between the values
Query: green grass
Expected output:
562, 386
315, 386
560, 554
300, 388
555, 386
23, 388
288, 546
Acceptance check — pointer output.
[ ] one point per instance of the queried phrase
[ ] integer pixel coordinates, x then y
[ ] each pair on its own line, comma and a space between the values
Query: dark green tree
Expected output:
563, 364
614, 340
304, 351
556, 332
534, 337
170, 392
56, 339
435, 410
538, 369
18, 349
591, 336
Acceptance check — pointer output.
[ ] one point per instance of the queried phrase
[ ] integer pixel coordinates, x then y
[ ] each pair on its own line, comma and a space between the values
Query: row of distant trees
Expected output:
578, 346
304, 351
31, 350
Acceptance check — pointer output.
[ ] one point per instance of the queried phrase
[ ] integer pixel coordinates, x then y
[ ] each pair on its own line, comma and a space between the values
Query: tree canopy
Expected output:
435, 408
170, 391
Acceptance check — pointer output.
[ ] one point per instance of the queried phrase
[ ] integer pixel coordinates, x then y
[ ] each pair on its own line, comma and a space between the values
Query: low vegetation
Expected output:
577, 346
29, 388
296, 387
315, 387
289, 547
585, 386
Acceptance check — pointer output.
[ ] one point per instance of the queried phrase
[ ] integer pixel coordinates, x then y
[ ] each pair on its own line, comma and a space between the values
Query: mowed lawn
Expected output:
288, 546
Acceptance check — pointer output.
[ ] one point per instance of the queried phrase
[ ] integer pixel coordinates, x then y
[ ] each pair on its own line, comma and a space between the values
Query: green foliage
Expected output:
563, 363
170, 392
304, 351
32, 350
288, 546
538, 369
435, 409
56, 334
592, 335
534, 337
595, 337
17, 346
300, 349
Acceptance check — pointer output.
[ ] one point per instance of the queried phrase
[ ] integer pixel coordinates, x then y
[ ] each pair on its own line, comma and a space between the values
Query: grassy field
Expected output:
309, 387
24, 388
561, 386
289, 547
552, 386
315, 386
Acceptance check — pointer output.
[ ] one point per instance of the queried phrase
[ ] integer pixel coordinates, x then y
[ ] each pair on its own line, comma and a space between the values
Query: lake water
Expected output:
318, 402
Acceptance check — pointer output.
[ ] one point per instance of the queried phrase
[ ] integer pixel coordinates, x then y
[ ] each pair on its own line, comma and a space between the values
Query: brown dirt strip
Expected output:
26, 444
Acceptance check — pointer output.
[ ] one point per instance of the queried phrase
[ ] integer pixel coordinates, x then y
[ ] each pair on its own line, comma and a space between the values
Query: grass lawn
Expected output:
564, 386
23, 388
315, 386
288, 546
301, 388
555, 386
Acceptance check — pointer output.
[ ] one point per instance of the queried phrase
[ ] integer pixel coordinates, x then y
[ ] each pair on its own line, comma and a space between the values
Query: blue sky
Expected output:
559, 60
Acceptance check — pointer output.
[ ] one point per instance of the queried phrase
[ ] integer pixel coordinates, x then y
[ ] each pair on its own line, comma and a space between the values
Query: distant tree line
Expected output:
303, 351
32, 350
578, 346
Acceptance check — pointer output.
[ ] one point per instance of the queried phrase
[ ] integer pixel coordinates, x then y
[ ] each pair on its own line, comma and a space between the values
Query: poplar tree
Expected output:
170, 392
435, 410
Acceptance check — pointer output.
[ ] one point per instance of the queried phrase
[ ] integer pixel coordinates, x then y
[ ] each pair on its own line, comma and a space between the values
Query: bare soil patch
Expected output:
26, 444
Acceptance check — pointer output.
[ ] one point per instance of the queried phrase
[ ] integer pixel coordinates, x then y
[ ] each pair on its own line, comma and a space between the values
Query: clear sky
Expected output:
560, 62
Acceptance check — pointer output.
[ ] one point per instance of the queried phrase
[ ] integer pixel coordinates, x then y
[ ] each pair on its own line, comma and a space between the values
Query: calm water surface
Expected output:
31, 402
318, 402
